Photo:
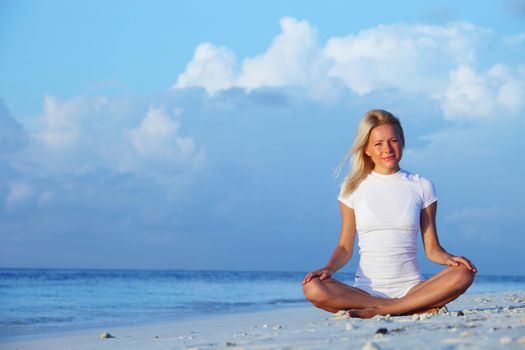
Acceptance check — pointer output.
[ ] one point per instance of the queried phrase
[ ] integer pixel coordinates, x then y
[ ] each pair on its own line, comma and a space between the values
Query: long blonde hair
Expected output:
360, 164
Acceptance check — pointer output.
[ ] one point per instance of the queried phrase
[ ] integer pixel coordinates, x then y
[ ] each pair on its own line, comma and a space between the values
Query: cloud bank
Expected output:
440, 61
236, 160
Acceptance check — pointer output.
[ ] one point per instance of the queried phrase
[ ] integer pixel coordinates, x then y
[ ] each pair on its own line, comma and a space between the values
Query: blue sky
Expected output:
204, 135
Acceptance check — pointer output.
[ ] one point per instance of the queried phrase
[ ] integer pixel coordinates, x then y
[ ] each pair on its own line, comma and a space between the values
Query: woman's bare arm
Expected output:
433, 249
343, 252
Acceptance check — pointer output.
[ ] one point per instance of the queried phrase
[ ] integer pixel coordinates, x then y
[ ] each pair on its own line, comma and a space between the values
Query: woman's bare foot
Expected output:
371, 312
362, 313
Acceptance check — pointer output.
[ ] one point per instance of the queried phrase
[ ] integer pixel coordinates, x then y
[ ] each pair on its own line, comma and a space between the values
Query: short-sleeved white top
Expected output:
387, 211
390, 201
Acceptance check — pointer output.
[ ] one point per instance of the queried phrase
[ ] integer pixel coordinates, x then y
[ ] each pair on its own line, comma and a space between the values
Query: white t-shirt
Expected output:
387, 211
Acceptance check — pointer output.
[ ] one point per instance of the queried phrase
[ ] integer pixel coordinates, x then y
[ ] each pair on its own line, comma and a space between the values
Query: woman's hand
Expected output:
323, 273
457, 260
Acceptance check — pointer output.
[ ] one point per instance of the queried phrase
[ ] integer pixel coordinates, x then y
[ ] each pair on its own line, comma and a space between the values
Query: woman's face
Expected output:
385, 148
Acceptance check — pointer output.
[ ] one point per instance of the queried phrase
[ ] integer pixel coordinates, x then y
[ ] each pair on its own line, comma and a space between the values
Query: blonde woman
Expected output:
387, 206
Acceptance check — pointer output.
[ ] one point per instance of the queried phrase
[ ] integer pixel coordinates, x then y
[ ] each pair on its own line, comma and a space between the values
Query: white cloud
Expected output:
495, 93
399, 56
212, 68
59, 122
289, 61
80, 135
151, 136
157, 146
437, 61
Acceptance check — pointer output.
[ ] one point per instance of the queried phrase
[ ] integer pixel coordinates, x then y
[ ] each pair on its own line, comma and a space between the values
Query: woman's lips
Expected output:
389, 158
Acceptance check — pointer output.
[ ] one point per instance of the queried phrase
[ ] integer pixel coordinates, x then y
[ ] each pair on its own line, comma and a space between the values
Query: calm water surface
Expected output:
34, 301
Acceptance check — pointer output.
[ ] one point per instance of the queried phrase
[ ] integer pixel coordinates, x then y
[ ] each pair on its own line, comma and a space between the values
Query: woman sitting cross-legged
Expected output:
387, 206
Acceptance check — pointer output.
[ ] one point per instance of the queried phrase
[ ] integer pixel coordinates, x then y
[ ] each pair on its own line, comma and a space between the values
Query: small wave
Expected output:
217, 306
286, 301
36, 320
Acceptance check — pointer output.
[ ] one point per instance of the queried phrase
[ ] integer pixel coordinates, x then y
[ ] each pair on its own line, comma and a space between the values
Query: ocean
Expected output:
41, 301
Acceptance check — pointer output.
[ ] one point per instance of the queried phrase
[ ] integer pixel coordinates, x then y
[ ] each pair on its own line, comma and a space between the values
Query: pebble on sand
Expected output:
443, 311
105, 335
466, 334
505, 340
382, 331
370, 345
340, 315
419, 317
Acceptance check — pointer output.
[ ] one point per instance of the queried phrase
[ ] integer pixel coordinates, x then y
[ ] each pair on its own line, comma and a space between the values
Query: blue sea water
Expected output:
39, 301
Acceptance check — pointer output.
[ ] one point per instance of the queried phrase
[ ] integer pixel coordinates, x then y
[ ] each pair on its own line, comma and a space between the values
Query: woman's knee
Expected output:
315, 291
464, 277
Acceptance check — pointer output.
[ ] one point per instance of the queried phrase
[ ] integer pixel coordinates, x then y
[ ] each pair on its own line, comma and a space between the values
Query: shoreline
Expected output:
37, 335
487, 320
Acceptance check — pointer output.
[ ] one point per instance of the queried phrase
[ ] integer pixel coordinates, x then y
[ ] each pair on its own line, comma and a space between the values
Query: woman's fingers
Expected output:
323, 274
452, 262
309, 276
473, 267
462, 260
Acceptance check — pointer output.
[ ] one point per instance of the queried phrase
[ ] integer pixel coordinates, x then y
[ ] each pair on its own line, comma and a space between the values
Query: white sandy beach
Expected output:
480, 321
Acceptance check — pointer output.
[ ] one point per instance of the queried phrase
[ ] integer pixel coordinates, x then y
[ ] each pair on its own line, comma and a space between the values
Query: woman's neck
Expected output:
387, 171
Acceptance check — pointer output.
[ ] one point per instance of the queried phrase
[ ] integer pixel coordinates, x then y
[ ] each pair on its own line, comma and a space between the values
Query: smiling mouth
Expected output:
389, 158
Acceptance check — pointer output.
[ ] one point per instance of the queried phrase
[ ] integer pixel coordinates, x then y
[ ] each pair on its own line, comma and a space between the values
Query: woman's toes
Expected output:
362, 313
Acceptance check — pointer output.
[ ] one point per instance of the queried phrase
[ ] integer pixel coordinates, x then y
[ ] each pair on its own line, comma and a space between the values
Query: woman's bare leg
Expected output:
437, 291
332, 295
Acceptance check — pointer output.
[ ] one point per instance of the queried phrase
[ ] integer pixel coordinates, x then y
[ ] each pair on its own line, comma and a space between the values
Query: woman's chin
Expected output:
392, 164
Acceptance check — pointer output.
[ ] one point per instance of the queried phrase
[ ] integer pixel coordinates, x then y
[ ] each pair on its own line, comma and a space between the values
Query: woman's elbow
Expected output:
347, 254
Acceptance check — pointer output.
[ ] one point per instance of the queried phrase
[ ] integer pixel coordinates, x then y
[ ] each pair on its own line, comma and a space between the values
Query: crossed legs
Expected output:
445, 286
332, 295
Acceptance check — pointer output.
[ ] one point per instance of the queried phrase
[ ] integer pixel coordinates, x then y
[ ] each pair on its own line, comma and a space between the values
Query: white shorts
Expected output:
388, 288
